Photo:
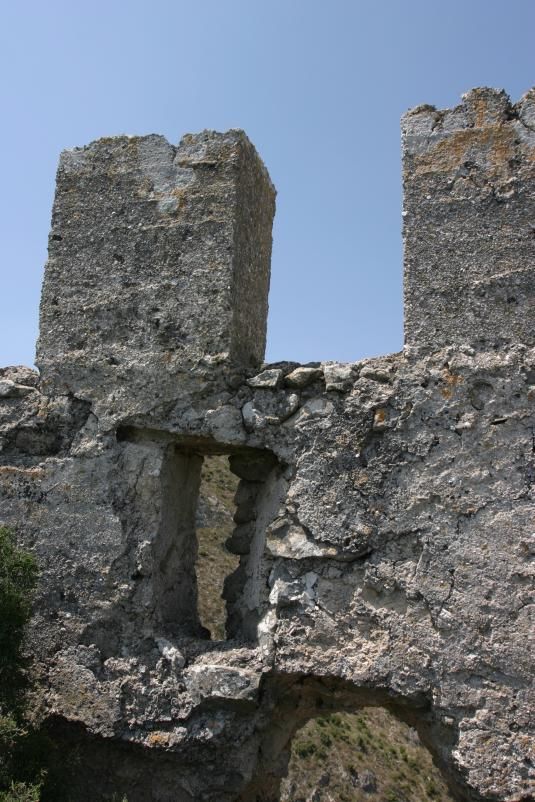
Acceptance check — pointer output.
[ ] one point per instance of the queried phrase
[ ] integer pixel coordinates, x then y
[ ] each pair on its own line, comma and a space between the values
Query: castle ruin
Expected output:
385, 513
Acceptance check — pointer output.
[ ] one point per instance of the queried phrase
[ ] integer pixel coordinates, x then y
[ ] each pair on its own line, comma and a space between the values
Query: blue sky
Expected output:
318, 86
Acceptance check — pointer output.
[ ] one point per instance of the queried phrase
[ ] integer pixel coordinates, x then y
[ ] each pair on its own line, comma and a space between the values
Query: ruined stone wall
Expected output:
385, 509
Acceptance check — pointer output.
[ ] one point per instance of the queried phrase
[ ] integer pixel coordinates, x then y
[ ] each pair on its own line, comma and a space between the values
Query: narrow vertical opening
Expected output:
195, 515
175, 547
214, 512
239, 497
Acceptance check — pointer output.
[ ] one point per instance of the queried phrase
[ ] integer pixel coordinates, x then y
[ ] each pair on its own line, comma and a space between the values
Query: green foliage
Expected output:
20, 773
325, 739
18, 575
305, 749
21, 792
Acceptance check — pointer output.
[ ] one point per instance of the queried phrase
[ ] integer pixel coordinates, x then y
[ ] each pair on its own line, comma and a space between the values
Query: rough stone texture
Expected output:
158, 266
385, 513
469, 215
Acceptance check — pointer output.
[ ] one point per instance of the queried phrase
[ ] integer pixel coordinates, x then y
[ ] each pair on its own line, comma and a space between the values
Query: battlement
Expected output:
182, 236
469, 222
158, 263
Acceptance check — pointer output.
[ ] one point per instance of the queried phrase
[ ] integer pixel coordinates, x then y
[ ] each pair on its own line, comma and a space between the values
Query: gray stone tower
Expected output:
469, 215
159, 264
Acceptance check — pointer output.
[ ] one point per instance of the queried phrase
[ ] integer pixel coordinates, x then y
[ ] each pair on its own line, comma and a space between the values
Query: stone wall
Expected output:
384, 514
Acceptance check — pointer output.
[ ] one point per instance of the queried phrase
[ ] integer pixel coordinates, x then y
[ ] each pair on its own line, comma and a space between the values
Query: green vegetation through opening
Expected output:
214, 525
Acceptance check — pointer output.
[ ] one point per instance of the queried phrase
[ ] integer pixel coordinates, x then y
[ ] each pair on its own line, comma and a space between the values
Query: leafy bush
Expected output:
18, 575
305, 749
21, 792
20, 777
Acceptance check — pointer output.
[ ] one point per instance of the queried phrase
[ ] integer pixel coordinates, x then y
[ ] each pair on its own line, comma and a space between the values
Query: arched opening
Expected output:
332, 741
365, 756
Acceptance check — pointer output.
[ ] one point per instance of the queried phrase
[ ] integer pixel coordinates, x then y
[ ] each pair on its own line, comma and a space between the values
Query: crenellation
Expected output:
154, 254
468, 214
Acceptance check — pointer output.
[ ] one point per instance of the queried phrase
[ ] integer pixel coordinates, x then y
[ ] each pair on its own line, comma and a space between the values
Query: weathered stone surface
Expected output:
384, 517
268, 379
158, 267
338, 376
301, 377
8, 389
469, 211
267, 408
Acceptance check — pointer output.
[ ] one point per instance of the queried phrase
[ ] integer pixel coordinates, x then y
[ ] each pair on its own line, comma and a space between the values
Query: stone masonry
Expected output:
385, 513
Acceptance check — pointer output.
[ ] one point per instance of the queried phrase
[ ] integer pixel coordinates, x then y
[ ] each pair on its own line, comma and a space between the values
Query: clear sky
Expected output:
318, 86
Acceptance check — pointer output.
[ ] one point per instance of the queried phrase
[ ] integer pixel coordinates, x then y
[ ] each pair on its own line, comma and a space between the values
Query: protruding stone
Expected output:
8, 389
171, 654
20, 374
375, 374
221, 682
269, 409
526, 110
268, 379
225, 424
338, 376
292, 542
301, 377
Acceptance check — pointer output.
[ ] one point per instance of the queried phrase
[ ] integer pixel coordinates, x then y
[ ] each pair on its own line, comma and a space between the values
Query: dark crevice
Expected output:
47, 436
